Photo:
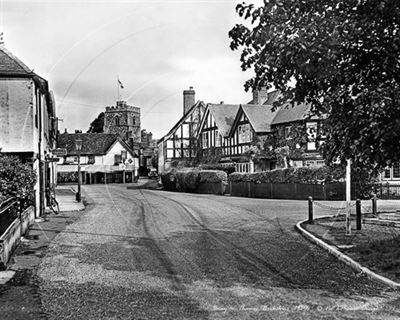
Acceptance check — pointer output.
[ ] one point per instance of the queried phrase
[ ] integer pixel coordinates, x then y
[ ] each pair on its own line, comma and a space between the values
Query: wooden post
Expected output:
348, 198
358, 214
374, 205
310, 210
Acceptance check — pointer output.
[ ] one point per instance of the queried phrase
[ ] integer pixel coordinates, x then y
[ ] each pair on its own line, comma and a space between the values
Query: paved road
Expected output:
141, 254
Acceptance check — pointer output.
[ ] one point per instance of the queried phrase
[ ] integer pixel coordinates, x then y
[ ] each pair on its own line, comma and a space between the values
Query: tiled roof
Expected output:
11, 65
224, 116
260, 116
92, 143
287, 113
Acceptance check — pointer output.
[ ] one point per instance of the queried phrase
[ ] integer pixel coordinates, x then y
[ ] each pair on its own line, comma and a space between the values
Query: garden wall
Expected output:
11, 237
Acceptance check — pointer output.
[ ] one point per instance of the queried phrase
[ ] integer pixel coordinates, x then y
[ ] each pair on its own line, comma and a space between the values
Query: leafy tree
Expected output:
97, 124
16, 178
342, 57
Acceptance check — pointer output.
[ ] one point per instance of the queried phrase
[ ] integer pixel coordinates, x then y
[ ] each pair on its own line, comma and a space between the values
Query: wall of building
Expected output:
128, 124
17, 113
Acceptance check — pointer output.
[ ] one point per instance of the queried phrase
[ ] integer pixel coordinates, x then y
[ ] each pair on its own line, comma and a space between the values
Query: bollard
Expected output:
310, 210
358, 214
374, 205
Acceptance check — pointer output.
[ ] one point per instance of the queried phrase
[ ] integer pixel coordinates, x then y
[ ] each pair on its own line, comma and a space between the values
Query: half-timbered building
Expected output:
180, 144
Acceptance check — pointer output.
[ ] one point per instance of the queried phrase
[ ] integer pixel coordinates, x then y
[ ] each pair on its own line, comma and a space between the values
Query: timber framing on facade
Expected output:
180, 143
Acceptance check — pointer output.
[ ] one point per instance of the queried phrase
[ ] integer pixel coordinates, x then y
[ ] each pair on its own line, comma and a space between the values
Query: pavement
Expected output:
65, 196
41, 233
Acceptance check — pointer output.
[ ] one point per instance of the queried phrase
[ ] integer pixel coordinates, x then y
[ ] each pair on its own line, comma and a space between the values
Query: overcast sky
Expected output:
157, 48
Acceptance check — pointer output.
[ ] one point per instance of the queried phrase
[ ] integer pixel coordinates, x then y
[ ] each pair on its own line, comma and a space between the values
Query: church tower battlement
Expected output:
123, 119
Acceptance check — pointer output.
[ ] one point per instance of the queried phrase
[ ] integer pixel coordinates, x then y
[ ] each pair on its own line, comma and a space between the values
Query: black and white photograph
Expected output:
199, 159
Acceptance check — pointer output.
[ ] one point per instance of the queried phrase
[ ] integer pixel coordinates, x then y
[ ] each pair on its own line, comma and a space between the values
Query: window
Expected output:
91, 159
396, 171
244, 132
320, 163
133, 120
386, 173
204, 140
116, 121
117, 159
218, 140
311, 135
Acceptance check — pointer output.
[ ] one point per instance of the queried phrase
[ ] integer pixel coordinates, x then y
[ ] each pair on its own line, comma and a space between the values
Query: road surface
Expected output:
146, 254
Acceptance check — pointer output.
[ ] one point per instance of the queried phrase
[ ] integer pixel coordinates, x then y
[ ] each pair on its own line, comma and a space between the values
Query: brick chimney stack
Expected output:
260, 95
188, 99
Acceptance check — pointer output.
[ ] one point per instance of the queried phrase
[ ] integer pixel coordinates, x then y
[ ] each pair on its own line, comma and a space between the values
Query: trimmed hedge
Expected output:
363, 183
228, 169
189, 180
291, 175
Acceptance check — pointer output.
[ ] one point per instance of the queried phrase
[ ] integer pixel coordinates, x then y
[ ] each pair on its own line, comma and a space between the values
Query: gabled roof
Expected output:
287, 113
224, 116
11, 65
260, 116
92, 143
182, 120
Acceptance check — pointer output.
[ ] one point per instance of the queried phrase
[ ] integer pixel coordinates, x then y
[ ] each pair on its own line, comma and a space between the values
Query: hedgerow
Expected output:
189, 179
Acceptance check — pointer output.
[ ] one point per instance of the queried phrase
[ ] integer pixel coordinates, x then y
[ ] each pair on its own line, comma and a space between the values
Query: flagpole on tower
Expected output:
118, 88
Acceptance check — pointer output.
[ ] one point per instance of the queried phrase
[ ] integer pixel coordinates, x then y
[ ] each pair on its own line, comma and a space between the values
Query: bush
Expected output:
228, 169
239, 177
16, 179
291, 175
213, 176
189, 179
168, 180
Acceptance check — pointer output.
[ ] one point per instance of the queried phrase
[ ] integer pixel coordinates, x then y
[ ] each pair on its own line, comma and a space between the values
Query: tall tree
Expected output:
97, 124
342, 57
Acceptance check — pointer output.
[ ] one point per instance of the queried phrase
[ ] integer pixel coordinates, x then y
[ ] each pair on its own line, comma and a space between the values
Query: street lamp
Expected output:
78, 148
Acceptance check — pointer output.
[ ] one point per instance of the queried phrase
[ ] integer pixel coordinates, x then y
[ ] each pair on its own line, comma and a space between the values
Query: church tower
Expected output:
124, 120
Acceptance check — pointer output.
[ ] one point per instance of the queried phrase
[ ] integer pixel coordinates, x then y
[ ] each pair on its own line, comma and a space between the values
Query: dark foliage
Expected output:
341, 56
97, 124
189, 179
16, 179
